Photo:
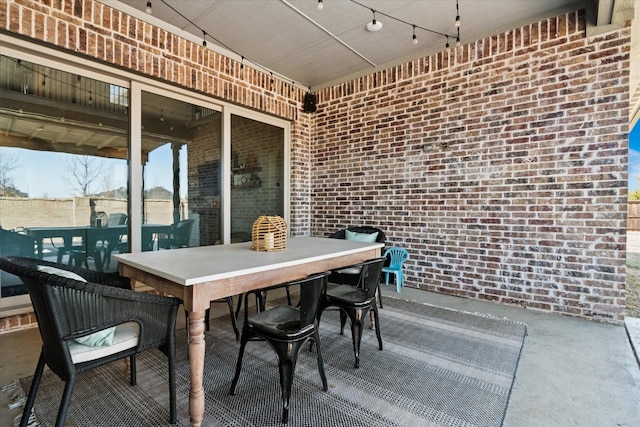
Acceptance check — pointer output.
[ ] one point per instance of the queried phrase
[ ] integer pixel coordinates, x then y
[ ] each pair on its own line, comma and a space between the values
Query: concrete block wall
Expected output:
501, 166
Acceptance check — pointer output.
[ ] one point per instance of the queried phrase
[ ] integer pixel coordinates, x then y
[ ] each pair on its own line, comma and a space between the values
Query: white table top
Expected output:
189, 266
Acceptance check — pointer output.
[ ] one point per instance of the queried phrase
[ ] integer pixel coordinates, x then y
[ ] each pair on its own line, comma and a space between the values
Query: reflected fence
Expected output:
17, 213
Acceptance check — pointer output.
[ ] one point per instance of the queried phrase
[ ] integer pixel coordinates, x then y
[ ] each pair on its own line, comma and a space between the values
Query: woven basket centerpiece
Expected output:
268, 234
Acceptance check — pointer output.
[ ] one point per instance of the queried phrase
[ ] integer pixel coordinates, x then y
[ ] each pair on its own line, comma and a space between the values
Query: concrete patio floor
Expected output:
572, 372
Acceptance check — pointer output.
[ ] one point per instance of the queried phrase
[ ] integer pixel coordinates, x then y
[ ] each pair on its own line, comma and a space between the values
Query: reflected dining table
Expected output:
91, 235
203, 274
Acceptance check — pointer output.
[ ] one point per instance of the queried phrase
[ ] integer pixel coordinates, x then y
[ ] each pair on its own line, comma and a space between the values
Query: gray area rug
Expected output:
439, 367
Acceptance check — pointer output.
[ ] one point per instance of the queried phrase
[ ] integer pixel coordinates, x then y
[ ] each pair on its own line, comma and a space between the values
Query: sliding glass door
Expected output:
63, 166
95, 164
181, 167
257, 174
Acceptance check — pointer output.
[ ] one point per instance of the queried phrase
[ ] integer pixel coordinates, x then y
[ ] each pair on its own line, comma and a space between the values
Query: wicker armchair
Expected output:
68, 309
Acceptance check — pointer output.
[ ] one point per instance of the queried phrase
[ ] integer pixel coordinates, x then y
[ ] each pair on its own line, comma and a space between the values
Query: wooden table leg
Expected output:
196, 366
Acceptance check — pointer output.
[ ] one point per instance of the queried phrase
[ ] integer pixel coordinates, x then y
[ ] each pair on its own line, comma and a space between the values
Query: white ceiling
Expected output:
313, 48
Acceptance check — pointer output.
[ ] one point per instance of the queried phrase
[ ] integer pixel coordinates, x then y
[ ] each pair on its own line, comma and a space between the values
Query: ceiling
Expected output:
317, 48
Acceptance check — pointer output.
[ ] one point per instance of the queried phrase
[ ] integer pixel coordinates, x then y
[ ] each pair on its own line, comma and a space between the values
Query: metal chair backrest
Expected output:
310, 290
370, 275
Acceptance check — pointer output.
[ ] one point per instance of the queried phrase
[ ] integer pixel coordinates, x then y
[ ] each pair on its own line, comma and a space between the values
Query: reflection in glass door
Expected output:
63, 167
257, 168
181, 155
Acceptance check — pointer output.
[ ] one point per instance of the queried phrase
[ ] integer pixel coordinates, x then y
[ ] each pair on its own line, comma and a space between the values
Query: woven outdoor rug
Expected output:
439, 367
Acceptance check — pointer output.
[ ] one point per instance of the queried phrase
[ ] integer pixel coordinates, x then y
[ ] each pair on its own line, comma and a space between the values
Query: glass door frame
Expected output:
36, 53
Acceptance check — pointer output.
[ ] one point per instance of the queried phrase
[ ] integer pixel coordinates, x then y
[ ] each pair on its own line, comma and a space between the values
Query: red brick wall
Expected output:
526, 204
500, 166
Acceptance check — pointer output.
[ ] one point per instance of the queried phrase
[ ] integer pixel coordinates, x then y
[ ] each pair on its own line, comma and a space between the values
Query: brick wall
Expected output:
501, 166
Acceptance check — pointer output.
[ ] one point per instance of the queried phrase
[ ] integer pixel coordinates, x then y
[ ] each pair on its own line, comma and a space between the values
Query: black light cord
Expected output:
284, 79
402, 20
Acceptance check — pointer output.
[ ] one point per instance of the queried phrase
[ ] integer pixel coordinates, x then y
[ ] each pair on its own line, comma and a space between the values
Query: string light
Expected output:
370, 25
373, 25
447, 45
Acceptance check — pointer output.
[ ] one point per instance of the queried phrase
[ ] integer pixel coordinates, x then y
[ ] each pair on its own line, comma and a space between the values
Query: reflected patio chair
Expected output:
110, 320
113, 220
13, 243
180, 236
92, 248
286, 329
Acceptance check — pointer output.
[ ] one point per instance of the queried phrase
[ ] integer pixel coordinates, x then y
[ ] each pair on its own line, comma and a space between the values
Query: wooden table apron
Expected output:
197, 298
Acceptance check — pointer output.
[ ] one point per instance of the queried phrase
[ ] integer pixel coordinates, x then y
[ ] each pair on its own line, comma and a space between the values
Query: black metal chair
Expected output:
356, 301
286, 329
349, 275
74, 303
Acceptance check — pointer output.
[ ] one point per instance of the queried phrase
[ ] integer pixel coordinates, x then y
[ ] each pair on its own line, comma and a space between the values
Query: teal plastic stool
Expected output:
397, 257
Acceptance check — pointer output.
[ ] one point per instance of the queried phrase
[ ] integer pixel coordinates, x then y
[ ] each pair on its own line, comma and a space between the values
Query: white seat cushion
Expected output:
125, 337
349, 270
60, 272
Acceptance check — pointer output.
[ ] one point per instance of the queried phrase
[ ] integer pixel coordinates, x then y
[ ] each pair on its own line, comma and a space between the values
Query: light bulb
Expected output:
457, 21
320, 5
415, 39
149, 8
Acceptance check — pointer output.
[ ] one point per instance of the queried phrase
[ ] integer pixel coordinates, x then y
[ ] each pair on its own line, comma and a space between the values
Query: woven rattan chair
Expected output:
286, 328
356, 301
72, 303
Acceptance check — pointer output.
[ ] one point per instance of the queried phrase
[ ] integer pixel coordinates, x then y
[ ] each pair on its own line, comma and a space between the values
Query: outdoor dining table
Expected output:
203, 274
